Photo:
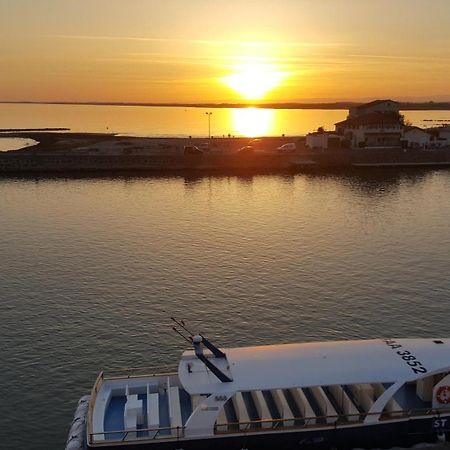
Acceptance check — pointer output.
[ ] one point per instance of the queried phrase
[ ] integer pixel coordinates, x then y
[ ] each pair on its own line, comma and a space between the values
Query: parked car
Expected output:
192, 150
287, 148
204, 146
246, 150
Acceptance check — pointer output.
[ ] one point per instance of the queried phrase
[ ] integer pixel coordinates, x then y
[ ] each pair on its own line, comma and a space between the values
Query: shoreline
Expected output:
404, 106
59, 152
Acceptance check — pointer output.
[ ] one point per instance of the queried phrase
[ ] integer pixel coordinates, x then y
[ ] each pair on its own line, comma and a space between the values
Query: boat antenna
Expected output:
198, 340
188, 339
208, 344
181, 324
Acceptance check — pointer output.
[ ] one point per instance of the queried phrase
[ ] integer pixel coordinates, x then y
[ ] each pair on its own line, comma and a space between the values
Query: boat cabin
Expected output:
274, 387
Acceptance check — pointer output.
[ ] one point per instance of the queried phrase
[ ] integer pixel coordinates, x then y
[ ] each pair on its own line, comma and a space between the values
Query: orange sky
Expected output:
224, 50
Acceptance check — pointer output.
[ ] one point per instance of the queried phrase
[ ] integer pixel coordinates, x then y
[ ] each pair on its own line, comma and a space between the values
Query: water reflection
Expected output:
385, 182
373, 182
308, 256
253, 121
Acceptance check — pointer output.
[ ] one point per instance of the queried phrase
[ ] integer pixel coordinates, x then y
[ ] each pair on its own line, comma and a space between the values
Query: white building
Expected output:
440, 136
374, 129
323, 139
415, 137
380, 106
378, 124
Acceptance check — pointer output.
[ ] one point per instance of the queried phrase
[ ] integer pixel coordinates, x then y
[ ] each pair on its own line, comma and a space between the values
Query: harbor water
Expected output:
187, 121
93, 268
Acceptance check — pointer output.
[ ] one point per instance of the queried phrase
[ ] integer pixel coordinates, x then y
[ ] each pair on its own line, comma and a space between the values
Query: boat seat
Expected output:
222, 421
174, 408
324, 403
345, 403
261, 408
152, 412
424, 388
241, 410
133, 415
283, 407
303, 405
362, 389
393, 407
364, 395
378, 389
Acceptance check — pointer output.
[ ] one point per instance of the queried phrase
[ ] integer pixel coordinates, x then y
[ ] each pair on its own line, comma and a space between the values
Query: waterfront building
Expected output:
377, 124
381, 106
415, 137
374, 129
322, 139
440, 136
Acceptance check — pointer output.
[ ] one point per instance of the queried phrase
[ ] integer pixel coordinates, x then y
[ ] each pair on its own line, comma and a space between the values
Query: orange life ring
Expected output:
443, 394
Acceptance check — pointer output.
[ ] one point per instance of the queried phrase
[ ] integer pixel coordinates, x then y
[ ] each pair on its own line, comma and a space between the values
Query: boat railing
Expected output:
148, 434
321, 421
139, 372
141, 434
95, 389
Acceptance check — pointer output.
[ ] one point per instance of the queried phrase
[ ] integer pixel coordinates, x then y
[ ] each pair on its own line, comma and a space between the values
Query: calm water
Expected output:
93, 268
164, 121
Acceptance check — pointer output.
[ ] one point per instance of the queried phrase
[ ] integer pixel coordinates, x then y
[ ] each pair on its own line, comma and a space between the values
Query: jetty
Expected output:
61, 152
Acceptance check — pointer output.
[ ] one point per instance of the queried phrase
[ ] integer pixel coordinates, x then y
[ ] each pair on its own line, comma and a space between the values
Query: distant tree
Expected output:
321, 130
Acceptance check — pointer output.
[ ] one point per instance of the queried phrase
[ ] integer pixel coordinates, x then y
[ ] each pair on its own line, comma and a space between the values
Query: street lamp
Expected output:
209, 123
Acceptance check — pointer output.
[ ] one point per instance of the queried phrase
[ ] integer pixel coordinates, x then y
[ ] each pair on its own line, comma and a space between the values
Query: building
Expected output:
415, 137
381, 106
324, 139
374, 129
378, 124
440, 136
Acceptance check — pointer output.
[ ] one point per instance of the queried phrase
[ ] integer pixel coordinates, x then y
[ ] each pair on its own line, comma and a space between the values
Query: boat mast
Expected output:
198, 341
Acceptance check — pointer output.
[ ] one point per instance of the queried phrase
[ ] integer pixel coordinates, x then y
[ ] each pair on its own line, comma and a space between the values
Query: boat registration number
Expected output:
415, 365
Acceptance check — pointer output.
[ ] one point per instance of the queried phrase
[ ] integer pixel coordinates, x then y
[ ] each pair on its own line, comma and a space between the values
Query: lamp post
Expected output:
209, 123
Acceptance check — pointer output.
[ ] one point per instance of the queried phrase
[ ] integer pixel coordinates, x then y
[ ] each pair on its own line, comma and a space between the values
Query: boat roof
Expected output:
317, 364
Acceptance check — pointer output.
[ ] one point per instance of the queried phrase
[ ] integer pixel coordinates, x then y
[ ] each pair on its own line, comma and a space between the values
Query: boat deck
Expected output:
163, 411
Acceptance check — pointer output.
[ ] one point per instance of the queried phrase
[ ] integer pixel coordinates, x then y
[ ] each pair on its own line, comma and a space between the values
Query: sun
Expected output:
253, 80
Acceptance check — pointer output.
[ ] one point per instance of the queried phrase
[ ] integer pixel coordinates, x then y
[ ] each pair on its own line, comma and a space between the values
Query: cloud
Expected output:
203, 41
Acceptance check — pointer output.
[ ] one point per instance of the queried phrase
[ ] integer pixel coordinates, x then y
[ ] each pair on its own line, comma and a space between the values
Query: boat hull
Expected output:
404, 433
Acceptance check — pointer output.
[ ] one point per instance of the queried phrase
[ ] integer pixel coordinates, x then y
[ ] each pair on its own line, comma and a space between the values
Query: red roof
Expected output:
374, 118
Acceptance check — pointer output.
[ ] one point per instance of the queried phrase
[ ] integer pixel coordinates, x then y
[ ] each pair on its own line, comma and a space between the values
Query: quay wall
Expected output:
84, 152
63, 163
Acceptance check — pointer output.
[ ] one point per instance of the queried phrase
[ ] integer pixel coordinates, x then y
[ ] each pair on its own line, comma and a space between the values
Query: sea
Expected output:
92, 268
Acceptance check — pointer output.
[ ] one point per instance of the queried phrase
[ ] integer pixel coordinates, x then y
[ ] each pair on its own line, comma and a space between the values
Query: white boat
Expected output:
343, 394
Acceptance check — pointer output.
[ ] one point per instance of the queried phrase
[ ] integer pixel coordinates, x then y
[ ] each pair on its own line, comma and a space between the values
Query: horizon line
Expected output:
314, 104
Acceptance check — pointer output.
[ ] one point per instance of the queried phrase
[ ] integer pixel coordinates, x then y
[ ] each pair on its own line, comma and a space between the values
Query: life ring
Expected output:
443, 395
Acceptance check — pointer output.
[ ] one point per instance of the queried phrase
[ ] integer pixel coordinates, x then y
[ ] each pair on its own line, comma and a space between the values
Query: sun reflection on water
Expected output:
252, 121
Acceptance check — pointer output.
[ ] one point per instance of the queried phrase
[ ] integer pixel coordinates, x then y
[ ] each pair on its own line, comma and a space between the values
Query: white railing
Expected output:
331, 421
107, 437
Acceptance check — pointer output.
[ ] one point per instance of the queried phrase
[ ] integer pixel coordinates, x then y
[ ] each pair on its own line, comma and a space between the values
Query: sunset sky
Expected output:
224, 50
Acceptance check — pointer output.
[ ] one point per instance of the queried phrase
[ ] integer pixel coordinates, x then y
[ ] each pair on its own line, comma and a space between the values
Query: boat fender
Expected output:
75, 444
79, 415
443, 395
77, 428
84, 399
